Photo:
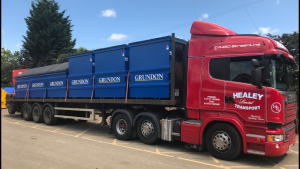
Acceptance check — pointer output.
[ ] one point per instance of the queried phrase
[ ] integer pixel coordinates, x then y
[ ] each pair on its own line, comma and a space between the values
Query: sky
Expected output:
103, 23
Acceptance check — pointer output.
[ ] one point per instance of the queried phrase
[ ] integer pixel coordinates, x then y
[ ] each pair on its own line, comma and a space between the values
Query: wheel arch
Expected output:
155, 116
237, 125
129, 113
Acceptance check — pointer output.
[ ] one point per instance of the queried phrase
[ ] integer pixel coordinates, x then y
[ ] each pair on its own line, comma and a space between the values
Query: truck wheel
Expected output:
12, 109
37, 114
121, 126
146, 130
223, 141
48, 116
26, 111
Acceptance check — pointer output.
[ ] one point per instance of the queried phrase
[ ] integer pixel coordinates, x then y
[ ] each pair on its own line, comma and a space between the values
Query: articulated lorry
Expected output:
230, 93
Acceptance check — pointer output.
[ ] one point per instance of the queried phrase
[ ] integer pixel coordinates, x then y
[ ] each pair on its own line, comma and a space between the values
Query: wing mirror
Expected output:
256, 73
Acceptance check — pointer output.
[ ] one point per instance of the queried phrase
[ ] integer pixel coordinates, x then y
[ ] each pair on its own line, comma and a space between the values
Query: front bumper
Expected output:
271, 150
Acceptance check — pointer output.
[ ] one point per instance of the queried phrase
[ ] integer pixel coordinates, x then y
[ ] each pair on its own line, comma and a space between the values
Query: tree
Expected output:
9, 62
48, 34
64, 57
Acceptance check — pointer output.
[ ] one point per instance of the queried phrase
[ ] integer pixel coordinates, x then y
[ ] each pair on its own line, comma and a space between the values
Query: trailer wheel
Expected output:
146, 130
37, 113
26, 111
223, 141
11, 109
121, 126
48, 116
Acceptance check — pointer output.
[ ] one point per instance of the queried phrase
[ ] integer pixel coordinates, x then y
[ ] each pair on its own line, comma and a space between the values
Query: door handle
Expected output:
229, 99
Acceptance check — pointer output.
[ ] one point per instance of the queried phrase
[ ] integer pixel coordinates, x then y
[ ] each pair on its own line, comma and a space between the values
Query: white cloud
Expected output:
266, 30
277, 2
117, 37
109, 13
204, 16
2, 31
18, 45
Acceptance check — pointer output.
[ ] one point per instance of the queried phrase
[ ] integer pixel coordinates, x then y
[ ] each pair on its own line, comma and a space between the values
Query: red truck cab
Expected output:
222, 68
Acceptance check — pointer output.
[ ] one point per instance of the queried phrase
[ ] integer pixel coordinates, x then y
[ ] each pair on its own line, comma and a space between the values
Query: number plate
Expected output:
291, 146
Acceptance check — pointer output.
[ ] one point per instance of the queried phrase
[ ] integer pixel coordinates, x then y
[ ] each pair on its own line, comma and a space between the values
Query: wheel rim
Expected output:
221, 141
47, 115
147, 128
35, 114
26, 112
121, 126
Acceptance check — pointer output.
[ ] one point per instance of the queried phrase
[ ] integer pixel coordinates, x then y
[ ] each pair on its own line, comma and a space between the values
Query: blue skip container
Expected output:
57, 81
111, 68
38, 81
21, 85
149, 68
81, 71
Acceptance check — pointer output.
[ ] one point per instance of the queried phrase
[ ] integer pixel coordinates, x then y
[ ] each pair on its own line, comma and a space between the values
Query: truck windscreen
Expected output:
281, 75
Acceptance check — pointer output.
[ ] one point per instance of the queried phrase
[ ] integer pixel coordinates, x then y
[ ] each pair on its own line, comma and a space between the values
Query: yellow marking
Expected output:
66, 134
294, 151
114, 142
86, 130
60, 128
216, 161
291, 165
240, 166
17, 122
177, 152
282, 168
125, 146
203, 163
36, 126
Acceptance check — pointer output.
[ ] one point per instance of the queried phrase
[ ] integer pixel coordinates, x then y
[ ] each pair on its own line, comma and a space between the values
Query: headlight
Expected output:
275, 138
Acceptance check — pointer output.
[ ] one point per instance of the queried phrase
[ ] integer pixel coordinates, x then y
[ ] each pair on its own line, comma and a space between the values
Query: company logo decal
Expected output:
37, 84
109, 80
236, 46
149, 77
247, 107
255, 118
247, 95
21, 86
276, 107
80, 82
57, 83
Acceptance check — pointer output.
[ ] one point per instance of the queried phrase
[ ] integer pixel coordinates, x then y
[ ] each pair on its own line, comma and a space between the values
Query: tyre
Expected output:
223, 141
37, 114
26, 111
11, 109
147, 131
48, 116
121, 127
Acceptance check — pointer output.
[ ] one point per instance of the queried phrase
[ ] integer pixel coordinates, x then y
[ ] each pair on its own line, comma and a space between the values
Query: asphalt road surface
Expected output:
73, 144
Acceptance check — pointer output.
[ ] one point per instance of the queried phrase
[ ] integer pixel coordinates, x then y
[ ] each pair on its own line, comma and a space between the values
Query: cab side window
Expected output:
240, 69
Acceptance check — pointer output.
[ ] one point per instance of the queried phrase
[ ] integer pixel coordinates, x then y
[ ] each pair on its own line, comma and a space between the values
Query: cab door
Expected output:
241, 97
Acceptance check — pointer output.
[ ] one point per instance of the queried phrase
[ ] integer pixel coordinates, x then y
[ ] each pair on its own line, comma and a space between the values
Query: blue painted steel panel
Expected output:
81, 71
21, 85
149, 68
57, 84
37, 88
111, 67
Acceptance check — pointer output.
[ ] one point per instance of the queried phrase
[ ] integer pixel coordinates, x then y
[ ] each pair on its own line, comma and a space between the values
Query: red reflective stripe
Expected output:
93, 88
67, 90
127, 87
